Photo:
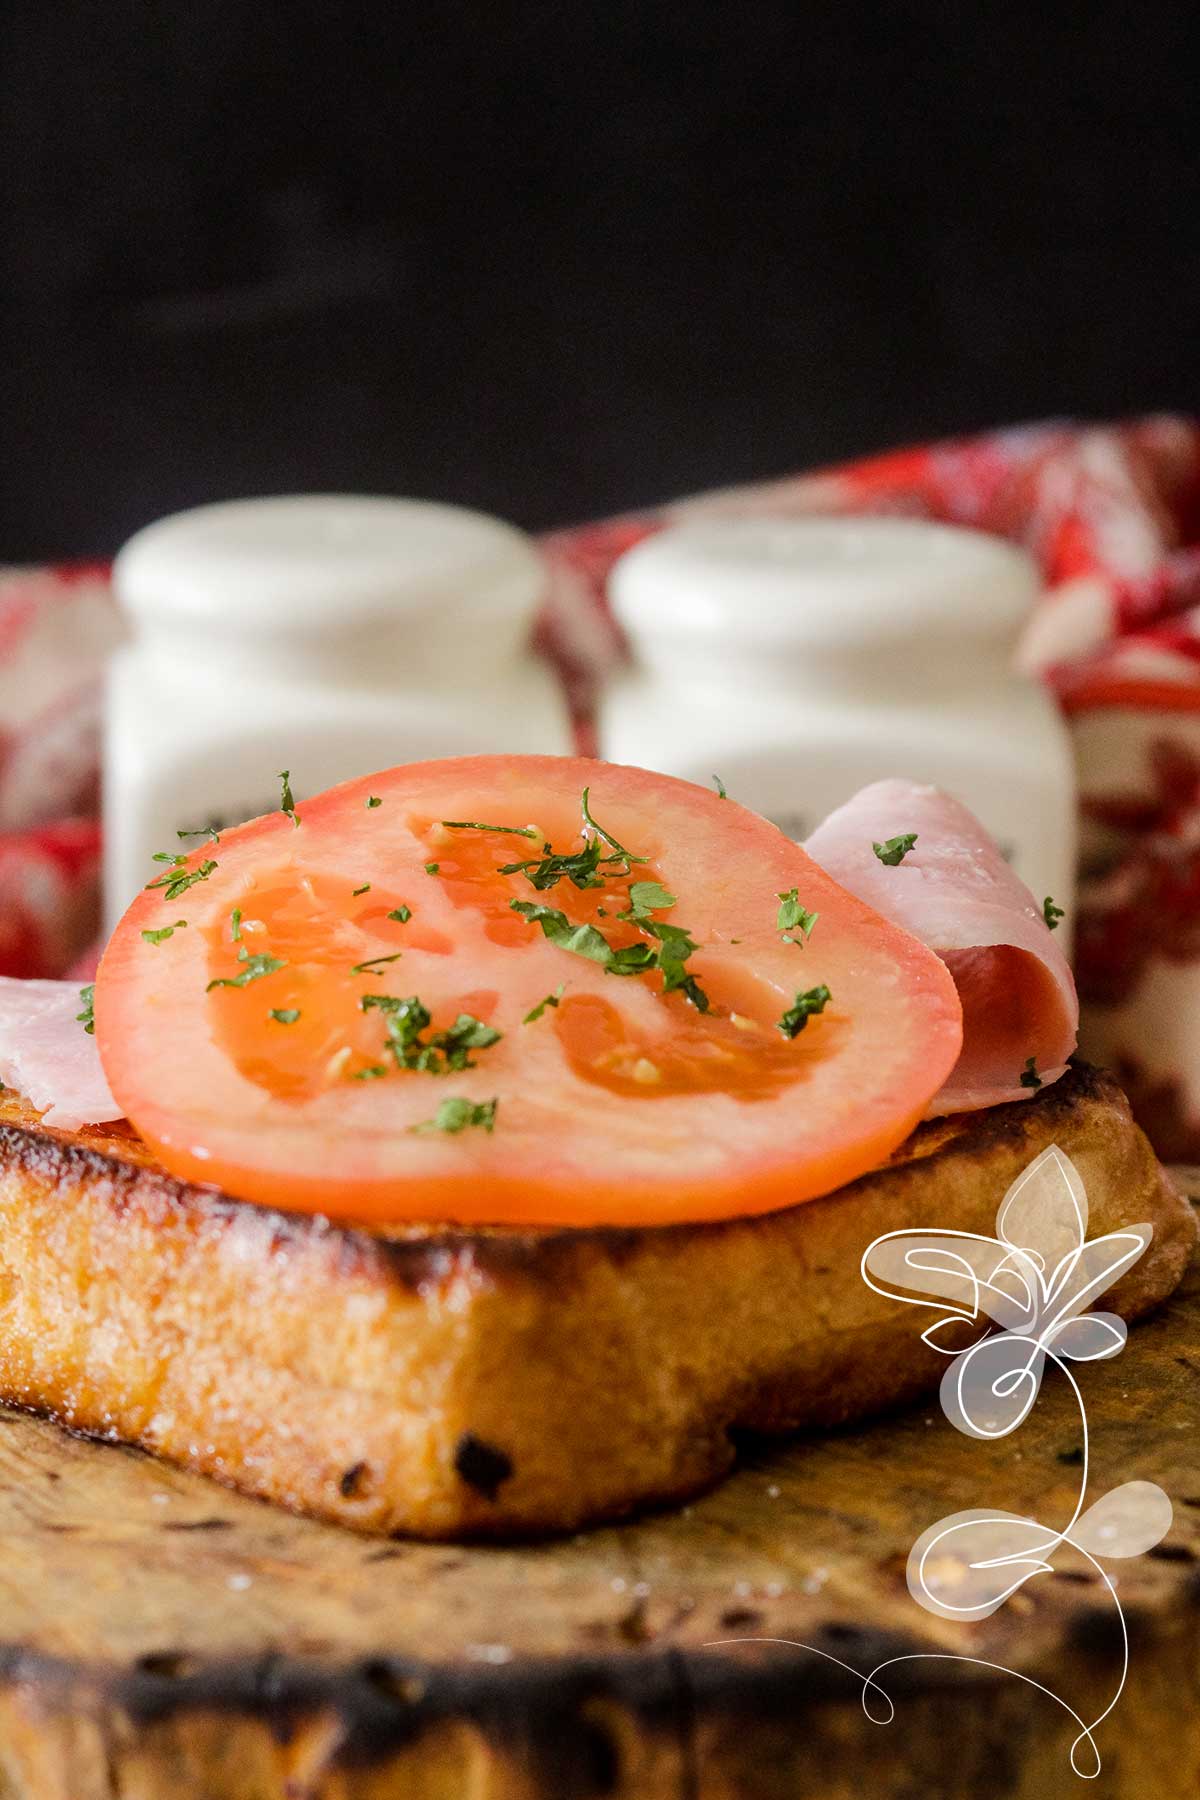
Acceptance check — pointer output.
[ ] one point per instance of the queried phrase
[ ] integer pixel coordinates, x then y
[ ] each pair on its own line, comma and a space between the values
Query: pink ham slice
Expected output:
48, 1057
956, 893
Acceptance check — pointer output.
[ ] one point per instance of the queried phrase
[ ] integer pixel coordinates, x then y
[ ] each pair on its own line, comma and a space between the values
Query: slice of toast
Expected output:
475, 1382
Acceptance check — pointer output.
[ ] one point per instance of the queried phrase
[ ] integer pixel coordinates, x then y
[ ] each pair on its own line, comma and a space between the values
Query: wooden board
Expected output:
165, 1639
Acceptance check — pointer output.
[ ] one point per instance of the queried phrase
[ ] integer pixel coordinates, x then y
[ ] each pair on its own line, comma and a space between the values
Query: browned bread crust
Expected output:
473, 1382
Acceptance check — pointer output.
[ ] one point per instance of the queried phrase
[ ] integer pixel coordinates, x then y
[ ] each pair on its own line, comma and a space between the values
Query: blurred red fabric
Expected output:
1112, 513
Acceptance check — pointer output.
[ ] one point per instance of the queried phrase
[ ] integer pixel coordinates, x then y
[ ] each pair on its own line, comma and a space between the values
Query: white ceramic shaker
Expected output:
798, 659
329, 635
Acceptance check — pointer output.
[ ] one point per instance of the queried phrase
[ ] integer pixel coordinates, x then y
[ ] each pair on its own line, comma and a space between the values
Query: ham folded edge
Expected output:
955, 892
47, 1056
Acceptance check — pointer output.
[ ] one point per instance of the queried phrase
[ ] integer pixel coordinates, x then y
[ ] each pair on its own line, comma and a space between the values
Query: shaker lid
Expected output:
309, 562
836, 582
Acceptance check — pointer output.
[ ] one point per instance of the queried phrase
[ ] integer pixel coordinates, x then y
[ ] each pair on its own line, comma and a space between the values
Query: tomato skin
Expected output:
732, 1119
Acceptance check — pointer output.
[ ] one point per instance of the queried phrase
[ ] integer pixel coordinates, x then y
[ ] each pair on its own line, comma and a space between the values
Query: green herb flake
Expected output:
536, 1012
373, 801
286, 804
235, 925
794, 1020
177, 880
579, 867
792, 916
165, 931
675, 946
364, 889
525, 831
401, 915
375, 963
432, 868
455, 1115
1051, 913
256, 967
208, 831
376, 1072
1029, 1076
174, 857
87, 1018
720, 787
607, 836
285, 1015
443, 1053
894, 850
646, 897
581, 940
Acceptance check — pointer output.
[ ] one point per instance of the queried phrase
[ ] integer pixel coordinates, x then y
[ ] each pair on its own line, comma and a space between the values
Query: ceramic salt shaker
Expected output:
329, 635
798, 659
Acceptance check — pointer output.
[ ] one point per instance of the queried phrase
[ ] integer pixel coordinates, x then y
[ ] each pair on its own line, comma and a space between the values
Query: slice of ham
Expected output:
48, 1057
956, 893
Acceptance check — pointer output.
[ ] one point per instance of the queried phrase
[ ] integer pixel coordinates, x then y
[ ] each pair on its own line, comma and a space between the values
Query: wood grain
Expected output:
165, 1639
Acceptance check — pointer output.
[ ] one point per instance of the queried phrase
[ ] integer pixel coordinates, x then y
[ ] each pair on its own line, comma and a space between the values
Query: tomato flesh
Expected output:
256, 1047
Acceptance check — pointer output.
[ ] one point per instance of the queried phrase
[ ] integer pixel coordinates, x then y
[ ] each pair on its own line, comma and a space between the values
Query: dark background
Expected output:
554, 260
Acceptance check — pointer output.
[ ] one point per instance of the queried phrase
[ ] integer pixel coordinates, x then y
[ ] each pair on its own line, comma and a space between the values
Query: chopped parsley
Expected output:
401, 915
582, 940
894, 850
444, 1052
587, 867
626, 855
720, 786
235, 924
801, 1011
675, 946
165, 931
286, 803
373, 801
646, 897
256, 967
286, 1015
1051, 913
527, 831
456, 1114
1029, 1075
583, 868
373, 966
535, 1013
590, 867
87, 1018
432, 868
208, 831
364, 889
176, 881
580, 867
792, 916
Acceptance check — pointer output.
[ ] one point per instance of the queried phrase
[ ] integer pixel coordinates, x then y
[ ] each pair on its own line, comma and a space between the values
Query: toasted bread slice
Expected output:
455, 1383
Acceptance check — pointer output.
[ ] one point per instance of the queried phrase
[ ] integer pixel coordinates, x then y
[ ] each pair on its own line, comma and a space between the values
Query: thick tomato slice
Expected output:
301, 1081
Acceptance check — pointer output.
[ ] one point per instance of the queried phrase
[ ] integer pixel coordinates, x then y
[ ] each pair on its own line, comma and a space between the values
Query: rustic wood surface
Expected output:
164, 1639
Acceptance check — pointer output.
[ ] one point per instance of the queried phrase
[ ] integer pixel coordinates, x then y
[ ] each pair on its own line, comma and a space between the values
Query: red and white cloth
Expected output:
1111, 512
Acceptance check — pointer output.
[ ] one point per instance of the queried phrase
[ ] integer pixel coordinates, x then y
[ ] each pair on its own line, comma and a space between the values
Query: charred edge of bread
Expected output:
503, 1382
417, 1255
